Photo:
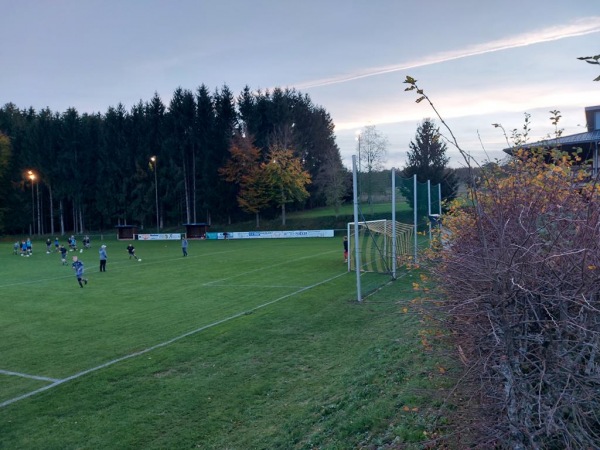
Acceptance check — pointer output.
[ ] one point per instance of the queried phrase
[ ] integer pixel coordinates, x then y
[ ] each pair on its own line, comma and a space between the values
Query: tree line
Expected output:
71, 171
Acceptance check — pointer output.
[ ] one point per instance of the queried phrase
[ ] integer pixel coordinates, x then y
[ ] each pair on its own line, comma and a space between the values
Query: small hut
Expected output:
196, 230
126, 232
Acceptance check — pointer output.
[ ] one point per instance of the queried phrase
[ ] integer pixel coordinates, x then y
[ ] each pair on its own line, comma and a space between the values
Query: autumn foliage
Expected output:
277, 180
518, 272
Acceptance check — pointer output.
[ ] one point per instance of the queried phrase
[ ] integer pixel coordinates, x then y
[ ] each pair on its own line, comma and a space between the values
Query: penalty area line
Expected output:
165, 343
25, 375
279, 264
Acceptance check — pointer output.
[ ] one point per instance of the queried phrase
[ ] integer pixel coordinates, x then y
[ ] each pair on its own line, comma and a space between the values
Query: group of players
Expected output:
79, 267
25, 248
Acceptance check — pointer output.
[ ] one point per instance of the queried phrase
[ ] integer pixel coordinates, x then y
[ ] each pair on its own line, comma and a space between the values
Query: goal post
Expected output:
376, 248
379, 251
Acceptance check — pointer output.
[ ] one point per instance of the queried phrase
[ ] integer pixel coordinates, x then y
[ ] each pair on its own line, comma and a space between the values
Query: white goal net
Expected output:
376, 245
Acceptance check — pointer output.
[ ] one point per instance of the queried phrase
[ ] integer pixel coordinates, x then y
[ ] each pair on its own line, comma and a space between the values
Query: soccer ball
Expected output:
139, 260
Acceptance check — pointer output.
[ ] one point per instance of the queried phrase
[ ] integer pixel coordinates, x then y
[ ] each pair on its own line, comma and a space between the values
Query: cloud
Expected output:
576, 28
464, 104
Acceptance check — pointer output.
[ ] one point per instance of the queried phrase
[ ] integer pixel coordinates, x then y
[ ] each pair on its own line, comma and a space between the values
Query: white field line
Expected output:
89, 271
252, 286
267, 267
25, 375
165, 343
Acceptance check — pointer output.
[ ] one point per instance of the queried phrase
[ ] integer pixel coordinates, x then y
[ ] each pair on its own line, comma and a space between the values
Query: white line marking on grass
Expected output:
279, 264
122, 265
37, 281
165, 343
252, 286
178, 258
24, 375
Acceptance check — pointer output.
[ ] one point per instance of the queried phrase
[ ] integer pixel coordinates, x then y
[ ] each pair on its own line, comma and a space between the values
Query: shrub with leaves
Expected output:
519, 279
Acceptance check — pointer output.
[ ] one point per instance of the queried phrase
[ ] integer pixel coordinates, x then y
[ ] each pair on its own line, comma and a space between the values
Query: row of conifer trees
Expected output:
72, 171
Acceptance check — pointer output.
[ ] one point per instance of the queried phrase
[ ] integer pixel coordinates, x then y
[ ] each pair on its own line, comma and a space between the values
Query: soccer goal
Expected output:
379, 251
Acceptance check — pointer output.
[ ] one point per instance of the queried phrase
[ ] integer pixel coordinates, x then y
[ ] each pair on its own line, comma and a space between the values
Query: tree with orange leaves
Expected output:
244, 169
287, 177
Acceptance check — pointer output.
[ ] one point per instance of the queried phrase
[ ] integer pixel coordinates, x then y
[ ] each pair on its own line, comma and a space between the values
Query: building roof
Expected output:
584, 140
565, 141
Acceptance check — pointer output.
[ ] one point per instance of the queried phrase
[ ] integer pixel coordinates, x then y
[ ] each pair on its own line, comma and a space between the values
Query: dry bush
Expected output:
519, 279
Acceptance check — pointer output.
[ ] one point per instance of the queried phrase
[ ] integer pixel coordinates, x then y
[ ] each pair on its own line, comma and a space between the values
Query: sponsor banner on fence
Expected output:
159, 237
272, 234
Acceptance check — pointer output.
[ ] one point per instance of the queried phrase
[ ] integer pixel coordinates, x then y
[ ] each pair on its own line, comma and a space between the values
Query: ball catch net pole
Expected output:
356, 247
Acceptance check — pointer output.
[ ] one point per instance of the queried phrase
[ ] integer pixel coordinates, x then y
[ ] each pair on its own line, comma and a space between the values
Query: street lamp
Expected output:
31, 176
153, 164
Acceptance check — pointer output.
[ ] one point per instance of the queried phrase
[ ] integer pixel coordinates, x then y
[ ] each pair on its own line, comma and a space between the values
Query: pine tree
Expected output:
5, 155
427, 159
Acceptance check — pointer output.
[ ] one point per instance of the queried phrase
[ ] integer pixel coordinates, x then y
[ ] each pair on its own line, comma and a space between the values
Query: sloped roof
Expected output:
573, 140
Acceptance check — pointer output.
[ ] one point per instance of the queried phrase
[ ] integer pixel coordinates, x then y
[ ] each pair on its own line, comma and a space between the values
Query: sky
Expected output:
480, 61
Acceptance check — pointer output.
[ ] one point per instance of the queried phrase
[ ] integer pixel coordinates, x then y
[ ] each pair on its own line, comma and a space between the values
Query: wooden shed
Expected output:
196, 230
126, 232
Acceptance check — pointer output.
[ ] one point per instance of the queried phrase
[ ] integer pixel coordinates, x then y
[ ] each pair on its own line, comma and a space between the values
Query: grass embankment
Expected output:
326, 218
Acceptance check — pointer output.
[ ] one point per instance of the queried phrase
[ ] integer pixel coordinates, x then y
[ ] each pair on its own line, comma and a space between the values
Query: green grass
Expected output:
348, 210
326, 217
277, 352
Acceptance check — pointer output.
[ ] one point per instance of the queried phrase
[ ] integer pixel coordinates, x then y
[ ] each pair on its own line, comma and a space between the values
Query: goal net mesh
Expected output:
375, 245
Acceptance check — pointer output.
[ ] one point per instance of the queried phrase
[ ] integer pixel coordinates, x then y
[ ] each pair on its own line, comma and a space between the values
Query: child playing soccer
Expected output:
79, 269
131, 251
63, 254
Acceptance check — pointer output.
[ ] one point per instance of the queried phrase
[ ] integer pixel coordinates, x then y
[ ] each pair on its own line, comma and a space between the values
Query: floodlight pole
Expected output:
39, 209
154, 161
31, 176
357, 263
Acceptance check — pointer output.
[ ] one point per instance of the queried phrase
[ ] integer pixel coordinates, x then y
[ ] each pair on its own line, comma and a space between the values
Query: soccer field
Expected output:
53, 330
176, 350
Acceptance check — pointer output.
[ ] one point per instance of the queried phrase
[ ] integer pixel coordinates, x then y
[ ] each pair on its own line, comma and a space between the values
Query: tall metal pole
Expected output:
39, 209
415, 213
357, 262
32, 178
429, 208
394, 256
359, 160
32, 208
595, 160
154, 163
